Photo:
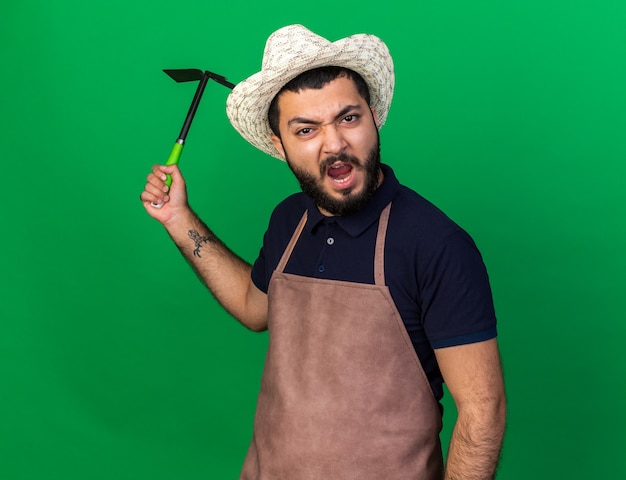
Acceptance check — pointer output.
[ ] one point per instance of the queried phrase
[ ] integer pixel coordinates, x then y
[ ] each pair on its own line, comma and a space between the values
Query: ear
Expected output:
278, 144
375, 117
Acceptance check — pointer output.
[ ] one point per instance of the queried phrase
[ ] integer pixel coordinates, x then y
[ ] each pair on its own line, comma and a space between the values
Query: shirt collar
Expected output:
358, 222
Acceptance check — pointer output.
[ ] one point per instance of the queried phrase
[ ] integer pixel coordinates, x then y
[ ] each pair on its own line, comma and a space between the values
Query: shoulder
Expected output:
288, 213
422, 235
293, 201
415, 217
282, 223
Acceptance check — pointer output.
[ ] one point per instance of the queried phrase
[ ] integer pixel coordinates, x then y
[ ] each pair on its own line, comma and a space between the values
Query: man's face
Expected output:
330, 141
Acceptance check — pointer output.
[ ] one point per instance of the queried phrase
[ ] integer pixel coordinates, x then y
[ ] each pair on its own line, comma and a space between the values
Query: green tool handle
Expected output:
173, 159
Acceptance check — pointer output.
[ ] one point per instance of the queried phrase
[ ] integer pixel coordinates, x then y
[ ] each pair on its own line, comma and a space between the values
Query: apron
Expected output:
343, 394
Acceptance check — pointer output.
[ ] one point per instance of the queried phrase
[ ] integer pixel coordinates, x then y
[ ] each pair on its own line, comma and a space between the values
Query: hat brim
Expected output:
248, 104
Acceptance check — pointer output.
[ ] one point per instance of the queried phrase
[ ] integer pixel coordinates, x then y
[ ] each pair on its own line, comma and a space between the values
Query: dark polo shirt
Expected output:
433, 269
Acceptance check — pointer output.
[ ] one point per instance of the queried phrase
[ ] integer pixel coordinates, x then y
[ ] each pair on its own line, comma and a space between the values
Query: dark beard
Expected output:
351, 202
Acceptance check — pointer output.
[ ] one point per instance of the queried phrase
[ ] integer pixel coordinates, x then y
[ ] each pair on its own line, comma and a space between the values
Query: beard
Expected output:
350, 202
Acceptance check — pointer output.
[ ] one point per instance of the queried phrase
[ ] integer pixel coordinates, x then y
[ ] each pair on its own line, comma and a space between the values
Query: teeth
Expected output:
337, 165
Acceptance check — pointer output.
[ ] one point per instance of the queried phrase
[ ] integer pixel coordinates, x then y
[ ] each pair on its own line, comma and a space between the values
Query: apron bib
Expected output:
343, 394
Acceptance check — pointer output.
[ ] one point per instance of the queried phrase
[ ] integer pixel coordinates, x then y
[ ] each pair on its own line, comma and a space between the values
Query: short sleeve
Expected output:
457, 303
259, 272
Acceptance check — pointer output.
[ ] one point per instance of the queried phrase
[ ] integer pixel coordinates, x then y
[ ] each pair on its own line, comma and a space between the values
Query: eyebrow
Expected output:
342, 112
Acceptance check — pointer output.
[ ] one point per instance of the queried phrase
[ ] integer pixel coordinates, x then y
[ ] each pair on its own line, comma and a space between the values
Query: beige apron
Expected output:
343, 394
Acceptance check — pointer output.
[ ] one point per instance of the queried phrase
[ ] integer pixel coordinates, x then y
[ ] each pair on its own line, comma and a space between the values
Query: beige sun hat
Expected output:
293, 50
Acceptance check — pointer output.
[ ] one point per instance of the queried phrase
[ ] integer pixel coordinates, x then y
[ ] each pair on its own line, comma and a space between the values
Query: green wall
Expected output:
115, 363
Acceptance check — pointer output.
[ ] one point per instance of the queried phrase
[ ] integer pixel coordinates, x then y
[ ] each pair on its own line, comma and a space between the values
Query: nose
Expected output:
334, 142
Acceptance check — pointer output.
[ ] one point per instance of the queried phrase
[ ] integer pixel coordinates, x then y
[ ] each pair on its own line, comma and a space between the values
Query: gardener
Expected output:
371, 295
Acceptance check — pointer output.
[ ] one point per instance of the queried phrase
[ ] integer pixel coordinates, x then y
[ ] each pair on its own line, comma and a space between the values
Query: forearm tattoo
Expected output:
199, 240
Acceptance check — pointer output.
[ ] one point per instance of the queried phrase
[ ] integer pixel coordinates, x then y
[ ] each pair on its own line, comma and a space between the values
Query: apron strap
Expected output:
379, 253
292, 243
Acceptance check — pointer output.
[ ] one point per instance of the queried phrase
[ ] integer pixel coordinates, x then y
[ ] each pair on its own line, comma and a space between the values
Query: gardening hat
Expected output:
293, 50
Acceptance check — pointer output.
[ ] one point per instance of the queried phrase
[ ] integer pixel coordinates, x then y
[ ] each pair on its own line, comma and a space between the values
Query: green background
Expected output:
115, 363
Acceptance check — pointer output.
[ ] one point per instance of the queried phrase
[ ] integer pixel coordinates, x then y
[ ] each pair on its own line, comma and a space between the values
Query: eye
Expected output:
350, 118
304, 131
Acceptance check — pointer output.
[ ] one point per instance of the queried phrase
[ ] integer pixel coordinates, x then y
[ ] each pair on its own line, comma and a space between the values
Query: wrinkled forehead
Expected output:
330, 99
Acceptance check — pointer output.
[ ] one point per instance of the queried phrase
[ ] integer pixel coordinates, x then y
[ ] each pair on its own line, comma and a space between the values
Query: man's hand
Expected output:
173, 200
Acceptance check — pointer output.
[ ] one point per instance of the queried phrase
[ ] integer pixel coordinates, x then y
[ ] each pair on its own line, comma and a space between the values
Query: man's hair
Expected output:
316, 79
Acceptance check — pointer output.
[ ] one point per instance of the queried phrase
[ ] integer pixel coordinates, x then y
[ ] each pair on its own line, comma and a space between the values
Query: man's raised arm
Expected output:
225, 274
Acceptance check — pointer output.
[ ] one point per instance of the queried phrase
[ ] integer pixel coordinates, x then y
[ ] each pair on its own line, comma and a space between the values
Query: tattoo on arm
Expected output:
199, 240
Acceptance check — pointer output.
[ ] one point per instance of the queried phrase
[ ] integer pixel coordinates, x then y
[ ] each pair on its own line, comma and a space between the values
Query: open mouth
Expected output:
340, 173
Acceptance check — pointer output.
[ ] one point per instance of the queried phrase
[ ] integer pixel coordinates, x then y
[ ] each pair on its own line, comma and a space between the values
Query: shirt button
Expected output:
321, 268
330, 240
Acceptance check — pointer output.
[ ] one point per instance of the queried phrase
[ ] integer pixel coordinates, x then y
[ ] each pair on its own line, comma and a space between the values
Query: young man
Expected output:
371, 295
